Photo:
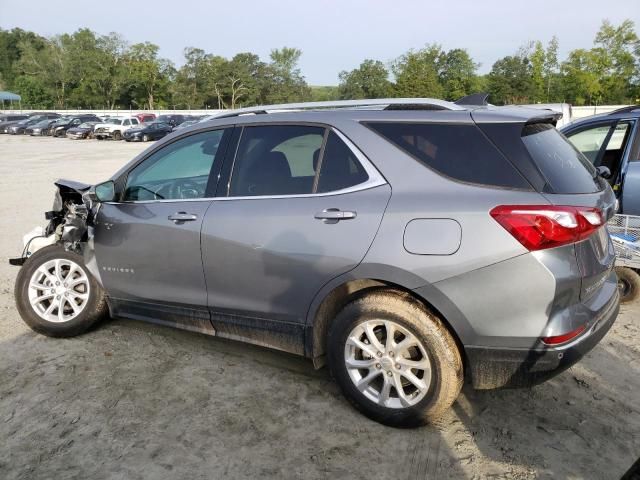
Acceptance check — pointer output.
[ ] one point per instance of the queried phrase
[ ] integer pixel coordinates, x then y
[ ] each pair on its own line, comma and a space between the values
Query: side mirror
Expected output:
604, 172
105, 191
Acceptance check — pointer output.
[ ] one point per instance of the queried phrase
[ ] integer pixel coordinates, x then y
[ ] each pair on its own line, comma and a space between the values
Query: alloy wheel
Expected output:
387, 363
59, 290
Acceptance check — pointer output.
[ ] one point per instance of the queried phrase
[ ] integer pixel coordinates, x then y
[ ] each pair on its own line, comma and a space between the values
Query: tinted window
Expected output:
339, 168
276, 160
460, 152
177, 171
564, 167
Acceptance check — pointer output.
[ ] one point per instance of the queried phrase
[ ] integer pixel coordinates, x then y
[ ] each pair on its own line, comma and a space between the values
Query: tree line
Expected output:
87, 70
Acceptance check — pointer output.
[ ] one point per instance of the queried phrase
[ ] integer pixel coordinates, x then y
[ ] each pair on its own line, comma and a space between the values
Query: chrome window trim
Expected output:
375, 180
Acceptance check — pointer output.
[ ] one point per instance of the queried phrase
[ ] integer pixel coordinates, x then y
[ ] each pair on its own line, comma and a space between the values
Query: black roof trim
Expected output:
630, 108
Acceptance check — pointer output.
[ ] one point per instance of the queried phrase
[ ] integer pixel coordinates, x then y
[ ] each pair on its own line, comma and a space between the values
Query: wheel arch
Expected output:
336, 294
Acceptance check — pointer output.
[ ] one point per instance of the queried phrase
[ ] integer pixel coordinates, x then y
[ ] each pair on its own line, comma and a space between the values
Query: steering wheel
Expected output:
186, 189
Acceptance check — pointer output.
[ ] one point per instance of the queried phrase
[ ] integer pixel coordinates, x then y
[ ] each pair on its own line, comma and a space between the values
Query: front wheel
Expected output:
56, 295
145, 138
394, 360
628, 284
117, 135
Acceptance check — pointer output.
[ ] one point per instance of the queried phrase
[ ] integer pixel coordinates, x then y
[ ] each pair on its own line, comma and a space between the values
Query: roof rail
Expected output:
383, 103
630, 108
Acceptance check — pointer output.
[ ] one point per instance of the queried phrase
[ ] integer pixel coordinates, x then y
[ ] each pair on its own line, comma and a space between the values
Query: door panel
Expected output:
631, 190
142, 255
268, 257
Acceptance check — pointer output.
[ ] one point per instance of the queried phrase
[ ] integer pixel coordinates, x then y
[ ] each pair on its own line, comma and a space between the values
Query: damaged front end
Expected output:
70, 221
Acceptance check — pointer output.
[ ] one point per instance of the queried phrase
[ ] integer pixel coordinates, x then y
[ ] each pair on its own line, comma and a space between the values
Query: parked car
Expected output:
59, 129
20, 127
114, 127
611, 142
147, 131
10, 120
186, 123
173, 120
145, 117
40, 128
82, 131
490, 260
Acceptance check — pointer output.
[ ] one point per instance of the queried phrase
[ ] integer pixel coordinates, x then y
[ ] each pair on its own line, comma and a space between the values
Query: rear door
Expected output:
301, 206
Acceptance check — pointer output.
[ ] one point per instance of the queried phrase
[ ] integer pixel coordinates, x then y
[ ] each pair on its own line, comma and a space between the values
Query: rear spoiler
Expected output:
550, 116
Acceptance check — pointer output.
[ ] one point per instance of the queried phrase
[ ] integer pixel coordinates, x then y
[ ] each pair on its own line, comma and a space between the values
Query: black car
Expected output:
20, 127
7, 120
59, 129
147, 131
173, 120
82, 131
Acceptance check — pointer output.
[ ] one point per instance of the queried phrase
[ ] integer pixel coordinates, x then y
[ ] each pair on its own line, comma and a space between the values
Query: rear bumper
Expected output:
505, 367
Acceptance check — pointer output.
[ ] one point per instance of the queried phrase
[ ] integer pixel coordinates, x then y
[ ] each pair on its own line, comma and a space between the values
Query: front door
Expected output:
302, 207
148, 244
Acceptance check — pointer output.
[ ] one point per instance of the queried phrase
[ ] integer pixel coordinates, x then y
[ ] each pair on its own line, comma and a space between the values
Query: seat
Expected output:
269, 175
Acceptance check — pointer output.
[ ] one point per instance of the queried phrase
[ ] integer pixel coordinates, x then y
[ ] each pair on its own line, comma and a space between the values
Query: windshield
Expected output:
85, 125
113, 121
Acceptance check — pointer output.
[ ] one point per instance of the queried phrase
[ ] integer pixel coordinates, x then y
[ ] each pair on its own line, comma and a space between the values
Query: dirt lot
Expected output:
132, 400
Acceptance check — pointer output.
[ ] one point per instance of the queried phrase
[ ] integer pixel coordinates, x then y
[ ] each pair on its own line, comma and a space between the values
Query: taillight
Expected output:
564, 338
546, 226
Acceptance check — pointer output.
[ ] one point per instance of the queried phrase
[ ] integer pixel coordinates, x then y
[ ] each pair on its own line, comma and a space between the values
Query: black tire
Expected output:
628, 284
402, 309
94, 310
145, 138
117, 135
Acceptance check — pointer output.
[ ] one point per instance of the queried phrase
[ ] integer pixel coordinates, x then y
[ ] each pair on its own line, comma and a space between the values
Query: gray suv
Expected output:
407, 243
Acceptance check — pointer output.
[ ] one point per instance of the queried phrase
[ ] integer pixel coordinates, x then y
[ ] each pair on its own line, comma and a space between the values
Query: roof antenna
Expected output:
479, 99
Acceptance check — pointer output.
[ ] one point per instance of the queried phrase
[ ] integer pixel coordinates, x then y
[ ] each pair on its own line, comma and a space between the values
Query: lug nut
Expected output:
65, 285
379, 354
57, 283
53, 290
391, 354
389, 373
397, 366
57, 297
378, 366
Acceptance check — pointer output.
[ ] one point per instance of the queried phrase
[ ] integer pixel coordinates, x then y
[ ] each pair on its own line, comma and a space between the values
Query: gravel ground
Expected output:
131, 400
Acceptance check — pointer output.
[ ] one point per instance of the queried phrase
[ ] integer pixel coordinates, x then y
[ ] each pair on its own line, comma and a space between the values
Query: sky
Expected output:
333, 35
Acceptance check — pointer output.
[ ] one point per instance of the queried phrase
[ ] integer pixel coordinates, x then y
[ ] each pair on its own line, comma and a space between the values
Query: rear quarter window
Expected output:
460, 152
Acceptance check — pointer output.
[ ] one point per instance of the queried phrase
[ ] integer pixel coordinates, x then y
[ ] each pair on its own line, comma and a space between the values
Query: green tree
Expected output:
551, 73
617, 51
457, 74
416, 73
33, 92
150, 75
510, 80
581, 77
369, 80
537, 57
286, 83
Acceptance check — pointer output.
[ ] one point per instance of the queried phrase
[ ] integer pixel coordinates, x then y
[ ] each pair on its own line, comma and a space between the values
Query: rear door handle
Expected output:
181, 217
334, 215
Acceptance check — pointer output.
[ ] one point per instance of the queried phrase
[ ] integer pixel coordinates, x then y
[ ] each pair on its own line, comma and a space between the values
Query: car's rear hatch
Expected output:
564, 177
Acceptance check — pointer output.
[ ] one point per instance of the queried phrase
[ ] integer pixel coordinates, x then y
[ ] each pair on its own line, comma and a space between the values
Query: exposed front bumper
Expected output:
504, 367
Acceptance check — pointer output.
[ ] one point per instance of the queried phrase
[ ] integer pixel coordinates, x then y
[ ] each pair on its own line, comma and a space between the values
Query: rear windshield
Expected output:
565, 169
460, 152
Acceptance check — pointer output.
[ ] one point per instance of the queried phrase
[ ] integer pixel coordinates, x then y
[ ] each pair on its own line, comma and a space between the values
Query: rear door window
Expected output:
460, 152
591, 140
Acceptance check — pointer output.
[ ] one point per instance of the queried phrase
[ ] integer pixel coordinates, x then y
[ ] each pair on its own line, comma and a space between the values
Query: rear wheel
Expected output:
117, 135
56, 295
394, 360
628, 284
145, 138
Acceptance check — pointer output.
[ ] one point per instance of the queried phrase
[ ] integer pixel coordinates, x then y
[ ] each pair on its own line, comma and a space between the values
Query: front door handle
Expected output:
334, 215
181, 217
